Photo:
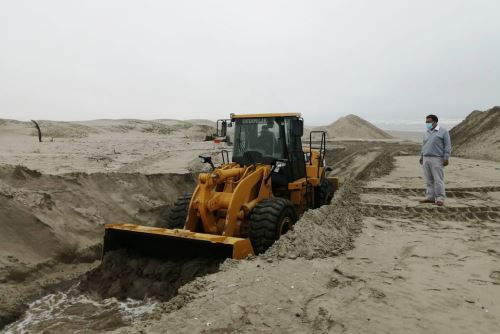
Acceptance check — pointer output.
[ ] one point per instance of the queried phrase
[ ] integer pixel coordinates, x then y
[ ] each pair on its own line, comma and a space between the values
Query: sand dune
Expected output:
150, 147
352, 126
478, 136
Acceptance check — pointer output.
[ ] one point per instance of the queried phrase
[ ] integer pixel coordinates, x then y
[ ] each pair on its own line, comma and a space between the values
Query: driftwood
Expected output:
39, 131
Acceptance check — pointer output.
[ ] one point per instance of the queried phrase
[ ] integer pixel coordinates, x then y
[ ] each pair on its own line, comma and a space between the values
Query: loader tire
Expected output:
325, 193
270, 219
179, 212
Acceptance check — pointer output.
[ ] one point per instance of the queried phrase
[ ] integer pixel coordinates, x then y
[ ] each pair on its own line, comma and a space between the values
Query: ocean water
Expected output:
413, 125
74, 312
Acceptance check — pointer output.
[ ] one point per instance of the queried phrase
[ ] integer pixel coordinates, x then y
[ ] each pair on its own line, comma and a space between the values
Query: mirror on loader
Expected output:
222, 125
297, 127
206, 160
223, 129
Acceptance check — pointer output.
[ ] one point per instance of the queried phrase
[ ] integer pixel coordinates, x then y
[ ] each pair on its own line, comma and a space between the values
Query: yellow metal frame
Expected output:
234, 116
242, 189
241, 246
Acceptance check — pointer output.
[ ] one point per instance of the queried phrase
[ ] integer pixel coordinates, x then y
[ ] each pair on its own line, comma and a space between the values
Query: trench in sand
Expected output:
52, 228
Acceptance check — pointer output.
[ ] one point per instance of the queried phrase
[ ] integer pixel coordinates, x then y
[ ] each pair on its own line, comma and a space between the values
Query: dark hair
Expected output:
433, 117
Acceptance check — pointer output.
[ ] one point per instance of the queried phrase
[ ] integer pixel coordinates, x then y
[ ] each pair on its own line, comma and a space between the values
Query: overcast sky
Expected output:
381, 60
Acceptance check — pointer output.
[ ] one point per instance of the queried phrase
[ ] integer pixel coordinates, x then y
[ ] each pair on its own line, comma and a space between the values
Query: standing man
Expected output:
436, 150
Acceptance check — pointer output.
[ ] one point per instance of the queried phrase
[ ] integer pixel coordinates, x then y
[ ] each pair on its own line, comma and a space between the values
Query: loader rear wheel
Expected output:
269, 220
179, 212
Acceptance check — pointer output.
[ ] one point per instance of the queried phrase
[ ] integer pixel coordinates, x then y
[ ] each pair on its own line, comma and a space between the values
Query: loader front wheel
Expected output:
179, 212
324, 193
269, 220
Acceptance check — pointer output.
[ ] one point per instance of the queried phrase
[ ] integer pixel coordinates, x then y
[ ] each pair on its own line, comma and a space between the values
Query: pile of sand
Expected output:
323, 232
352, 126
478, 135
123, 274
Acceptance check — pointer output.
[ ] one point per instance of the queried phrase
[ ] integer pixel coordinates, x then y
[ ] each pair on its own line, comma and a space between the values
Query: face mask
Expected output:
428, 126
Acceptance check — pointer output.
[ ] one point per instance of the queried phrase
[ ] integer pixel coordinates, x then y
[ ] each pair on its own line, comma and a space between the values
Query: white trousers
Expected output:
434, 178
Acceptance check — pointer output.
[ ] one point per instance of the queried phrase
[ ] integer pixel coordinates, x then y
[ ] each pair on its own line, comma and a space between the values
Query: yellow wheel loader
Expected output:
244, 205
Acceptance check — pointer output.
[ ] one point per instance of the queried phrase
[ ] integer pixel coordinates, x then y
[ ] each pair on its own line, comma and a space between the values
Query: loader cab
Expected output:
270, 139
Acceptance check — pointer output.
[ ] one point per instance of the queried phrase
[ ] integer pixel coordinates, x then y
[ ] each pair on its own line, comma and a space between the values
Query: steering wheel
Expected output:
252, 156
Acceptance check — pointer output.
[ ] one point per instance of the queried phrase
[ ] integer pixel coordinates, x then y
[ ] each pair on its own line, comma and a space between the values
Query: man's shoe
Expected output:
439, 203
426, 200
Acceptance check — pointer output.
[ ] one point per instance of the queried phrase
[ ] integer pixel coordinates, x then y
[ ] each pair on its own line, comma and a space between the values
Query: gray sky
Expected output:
78, 60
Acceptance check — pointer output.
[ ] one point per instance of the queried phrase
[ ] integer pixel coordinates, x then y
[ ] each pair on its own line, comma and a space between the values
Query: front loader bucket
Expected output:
173, 243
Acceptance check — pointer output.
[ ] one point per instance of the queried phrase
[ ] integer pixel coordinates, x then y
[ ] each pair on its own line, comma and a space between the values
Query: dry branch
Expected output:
39, 131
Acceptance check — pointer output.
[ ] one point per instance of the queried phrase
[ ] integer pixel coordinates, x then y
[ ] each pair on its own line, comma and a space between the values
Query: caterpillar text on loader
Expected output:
244, 205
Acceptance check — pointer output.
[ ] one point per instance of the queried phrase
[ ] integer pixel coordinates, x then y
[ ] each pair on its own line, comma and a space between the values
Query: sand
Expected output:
123, 274
373, 261
56, 196
478, 136
47, 218
324, 232
38, 210
148, 147
415, 136
352, 126
435, 272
